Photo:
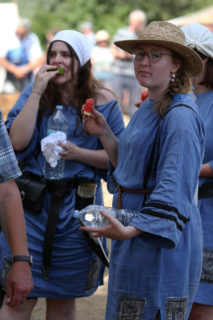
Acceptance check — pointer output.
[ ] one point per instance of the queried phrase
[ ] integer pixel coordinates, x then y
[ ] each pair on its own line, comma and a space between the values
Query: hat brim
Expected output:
193, 62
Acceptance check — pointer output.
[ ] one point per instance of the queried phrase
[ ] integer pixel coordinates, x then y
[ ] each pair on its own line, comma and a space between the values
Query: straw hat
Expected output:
167, 35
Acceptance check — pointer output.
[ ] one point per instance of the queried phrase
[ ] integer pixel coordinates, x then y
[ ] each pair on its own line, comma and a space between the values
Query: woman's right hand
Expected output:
43, 76
95, 124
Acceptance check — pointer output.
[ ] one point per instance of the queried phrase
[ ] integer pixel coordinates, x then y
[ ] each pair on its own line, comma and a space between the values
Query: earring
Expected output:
173, 77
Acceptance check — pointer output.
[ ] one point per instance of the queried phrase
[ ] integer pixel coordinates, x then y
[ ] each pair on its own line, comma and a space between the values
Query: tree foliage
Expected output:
104, 14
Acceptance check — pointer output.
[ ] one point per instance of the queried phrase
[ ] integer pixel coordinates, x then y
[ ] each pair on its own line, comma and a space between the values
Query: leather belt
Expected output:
122, 189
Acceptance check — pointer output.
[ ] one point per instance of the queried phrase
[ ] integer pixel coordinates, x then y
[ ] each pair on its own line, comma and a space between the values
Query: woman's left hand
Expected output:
114, 230
70, 151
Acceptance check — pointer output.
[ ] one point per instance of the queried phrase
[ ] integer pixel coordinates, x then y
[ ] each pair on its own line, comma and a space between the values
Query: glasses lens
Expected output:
154, 56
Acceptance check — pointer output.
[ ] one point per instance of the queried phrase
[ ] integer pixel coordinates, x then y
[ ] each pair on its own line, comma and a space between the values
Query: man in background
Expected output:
124, 82
20, 56
86, 27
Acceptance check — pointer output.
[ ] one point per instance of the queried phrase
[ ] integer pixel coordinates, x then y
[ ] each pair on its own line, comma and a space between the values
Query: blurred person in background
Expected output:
124, 84
200, 39
49, 35
20, 56
102, 58
86, 27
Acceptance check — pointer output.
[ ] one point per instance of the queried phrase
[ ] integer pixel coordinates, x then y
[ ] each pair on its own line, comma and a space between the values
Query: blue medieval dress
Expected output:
159, 270
205, 290
73, 261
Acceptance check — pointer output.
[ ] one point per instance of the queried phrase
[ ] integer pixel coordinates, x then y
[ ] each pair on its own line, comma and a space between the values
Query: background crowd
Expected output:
23, 55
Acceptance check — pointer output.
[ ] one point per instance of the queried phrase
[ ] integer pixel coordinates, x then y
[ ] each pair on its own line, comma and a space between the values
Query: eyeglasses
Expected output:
152, 56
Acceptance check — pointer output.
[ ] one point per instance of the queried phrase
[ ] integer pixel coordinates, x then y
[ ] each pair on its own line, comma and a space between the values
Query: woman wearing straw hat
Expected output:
200, 39
156, 260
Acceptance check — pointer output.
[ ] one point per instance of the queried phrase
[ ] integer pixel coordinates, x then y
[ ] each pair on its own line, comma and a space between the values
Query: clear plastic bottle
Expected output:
57, 122
90, 216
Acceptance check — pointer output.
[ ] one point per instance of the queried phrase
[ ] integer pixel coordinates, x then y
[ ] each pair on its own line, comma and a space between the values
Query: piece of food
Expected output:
87, 107
60, 70
144, 95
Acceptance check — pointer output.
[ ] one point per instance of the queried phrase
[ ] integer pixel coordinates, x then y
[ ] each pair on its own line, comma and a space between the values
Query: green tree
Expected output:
107, 14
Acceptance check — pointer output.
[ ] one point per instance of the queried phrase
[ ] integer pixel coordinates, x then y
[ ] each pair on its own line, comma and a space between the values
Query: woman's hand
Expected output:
70, 151
114, 230
93, 158
42, 78
95, 124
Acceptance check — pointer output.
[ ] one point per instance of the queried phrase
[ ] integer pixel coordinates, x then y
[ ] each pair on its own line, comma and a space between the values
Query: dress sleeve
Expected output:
23, 154
171, 203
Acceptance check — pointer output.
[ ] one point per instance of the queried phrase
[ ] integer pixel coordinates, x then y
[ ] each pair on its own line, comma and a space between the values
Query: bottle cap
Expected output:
75, 214
59, 107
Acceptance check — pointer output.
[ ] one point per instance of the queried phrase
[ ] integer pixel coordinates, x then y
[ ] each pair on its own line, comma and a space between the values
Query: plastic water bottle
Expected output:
90, 216
57, 122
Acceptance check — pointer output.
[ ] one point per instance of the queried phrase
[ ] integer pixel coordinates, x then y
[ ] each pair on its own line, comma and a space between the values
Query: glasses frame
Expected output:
149, 56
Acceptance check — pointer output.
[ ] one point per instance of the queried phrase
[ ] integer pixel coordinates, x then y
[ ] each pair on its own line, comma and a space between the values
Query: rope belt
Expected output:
122, 189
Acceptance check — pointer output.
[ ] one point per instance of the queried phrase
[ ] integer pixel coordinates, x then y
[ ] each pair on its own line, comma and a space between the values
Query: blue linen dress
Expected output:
205, 290
71, 273
160, 269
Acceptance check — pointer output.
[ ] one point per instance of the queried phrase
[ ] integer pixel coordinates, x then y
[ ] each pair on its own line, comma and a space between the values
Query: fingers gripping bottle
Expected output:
90, 216
56, 122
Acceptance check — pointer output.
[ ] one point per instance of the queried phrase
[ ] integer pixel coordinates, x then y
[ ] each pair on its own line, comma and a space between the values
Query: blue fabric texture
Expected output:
72, 258
205, 290
164, 262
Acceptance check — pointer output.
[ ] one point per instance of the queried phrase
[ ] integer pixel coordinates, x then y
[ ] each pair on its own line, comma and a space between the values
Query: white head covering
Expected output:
200, 38
78, 41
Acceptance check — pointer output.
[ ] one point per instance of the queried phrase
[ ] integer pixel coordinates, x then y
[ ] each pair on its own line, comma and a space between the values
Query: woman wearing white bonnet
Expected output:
66, 267
200, 39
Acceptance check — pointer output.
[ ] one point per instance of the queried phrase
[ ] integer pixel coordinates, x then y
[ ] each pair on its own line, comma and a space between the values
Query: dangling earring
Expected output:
173, 77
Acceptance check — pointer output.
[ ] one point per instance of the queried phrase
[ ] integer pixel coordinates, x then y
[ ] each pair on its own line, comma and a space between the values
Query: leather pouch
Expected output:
32, 189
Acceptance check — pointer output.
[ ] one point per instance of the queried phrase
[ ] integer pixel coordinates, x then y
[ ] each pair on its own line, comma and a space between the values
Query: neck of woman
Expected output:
65, 92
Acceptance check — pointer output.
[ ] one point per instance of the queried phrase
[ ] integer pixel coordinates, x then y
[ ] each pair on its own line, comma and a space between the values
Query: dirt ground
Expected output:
91, 308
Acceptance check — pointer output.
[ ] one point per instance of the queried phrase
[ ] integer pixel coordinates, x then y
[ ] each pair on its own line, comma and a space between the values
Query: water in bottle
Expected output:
57, 122
90, 216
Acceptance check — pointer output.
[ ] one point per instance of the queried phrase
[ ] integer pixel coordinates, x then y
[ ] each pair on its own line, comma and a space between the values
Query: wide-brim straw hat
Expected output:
167, 35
